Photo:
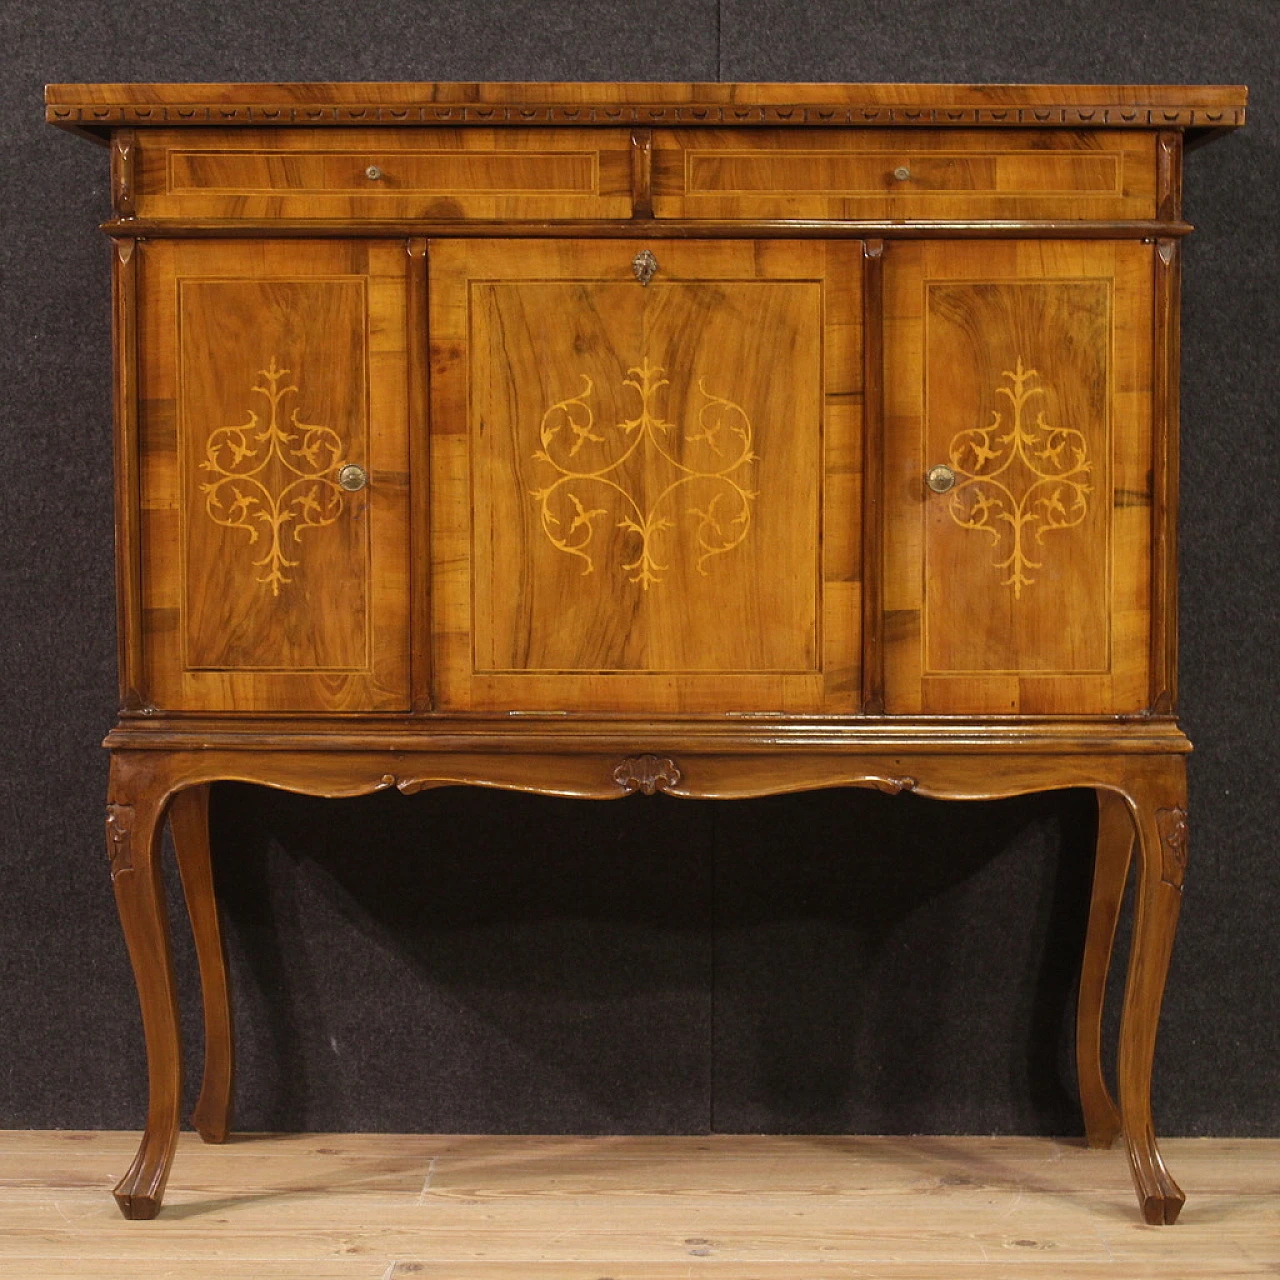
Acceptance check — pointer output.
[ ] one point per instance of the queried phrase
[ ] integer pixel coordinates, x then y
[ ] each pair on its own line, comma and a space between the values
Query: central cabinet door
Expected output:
645, 475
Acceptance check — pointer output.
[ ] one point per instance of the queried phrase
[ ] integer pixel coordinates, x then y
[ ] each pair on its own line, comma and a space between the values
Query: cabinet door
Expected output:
645, 496
265, 369
1024, 369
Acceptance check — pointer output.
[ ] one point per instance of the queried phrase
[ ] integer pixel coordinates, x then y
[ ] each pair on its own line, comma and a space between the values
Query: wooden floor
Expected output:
382, 1207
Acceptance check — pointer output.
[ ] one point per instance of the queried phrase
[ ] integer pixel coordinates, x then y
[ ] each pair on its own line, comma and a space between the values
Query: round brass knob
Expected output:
373, 173
902, 173
352, 477
940, 479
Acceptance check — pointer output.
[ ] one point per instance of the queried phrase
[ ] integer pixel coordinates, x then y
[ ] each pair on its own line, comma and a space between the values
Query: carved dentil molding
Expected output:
687, 113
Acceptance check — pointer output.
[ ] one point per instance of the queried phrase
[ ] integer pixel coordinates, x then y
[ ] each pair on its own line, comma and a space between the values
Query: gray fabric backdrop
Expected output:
470, 961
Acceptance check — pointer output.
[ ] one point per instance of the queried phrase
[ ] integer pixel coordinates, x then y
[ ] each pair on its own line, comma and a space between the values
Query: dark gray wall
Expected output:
473, 961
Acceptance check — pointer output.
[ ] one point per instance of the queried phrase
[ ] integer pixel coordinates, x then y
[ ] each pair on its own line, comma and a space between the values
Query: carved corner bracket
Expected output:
1172, 825
120, 838
647, 774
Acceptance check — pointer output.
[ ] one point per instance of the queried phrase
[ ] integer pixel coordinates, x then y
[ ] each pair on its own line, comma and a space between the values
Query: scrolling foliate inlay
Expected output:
1018, 484
723, 435
272, 480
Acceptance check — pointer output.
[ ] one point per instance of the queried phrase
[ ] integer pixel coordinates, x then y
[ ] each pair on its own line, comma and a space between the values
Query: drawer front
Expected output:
385, 173
645, 498
903, 173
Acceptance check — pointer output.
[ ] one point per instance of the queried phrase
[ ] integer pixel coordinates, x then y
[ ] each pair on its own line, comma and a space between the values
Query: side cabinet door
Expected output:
1021, 372
268, 368
645, 492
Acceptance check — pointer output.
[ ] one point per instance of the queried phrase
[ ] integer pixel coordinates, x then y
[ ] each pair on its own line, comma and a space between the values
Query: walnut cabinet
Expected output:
719, 440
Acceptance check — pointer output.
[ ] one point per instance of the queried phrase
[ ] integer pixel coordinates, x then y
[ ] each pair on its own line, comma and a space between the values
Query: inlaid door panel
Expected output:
1018, 456
273, 379
645, 496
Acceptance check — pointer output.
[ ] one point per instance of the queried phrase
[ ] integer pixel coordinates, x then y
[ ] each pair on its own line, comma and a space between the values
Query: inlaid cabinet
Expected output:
718, 440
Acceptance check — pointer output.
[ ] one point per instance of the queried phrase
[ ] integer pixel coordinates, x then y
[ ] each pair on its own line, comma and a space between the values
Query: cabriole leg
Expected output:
1111, 868
1160, 816
135, 816
189, 823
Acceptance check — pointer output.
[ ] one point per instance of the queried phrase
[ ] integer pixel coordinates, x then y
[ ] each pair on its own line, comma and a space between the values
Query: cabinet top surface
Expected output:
97, 108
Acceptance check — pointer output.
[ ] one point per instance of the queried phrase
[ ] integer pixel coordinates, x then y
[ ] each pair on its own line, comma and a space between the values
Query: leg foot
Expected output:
1111, 869
1159, 814
189, 822
135, 814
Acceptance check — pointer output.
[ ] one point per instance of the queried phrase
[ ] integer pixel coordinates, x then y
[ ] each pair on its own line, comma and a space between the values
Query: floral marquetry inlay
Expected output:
274, 480
710, 499
1018, 479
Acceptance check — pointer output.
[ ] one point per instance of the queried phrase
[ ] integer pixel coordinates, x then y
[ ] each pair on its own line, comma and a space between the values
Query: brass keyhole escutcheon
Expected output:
352, 477
940, 479
645, 265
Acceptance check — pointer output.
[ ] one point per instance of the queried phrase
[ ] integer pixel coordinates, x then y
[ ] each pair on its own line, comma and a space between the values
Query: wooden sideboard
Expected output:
714, 439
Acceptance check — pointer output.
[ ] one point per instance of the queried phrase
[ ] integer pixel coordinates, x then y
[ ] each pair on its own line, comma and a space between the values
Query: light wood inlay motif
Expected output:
717, 529
1053, 490
299, 492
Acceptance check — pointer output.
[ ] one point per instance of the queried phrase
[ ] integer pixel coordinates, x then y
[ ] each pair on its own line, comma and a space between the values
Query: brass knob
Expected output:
644, 264
373, 173
352, 477
902, 173
940, 479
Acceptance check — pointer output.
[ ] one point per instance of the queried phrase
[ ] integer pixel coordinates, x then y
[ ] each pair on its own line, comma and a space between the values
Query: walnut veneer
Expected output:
719, 440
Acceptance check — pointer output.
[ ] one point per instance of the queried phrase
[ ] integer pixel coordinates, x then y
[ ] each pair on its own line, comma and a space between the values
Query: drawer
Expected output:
903, 174
385, 173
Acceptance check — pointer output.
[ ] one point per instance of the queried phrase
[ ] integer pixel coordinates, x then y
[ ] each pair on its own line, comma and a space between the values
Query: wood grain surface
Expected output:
640, 513
1026, 369
902, 173
385, 173
392, 1207
267, 368
95, 108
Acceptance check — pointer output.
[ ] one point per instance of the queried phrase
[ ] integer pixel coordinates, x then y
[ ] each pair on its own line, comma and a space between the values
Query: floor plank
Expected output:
396, 1207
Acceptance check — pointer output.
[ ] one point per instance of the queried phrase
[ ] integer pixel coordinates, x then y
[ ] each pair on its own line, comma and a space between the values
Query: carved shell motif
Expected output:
647, 774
